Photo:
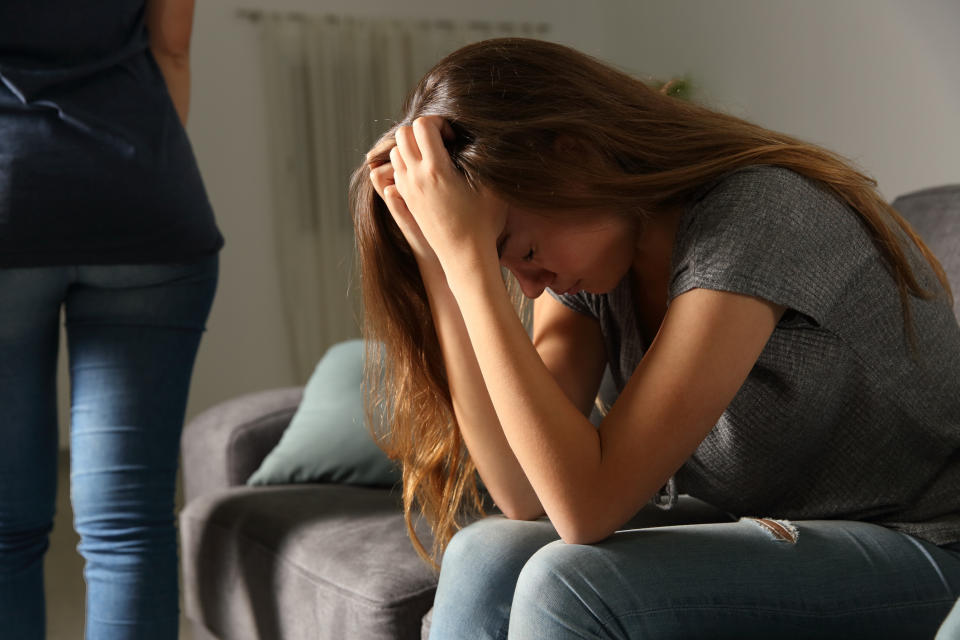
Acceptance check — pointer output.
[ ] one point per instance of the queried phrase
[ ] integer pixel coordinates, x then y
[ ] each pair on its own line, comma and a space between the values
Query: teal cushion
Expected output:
328, 439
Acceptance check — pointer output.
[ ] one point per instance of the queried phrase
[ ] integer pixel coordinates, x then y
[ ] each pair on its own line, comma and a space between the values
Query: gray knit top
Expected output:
839, 418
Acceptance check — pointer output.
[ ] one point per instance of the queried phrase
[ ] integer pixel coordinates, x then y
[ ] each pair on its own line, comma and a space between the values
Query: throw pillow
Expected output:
328, 439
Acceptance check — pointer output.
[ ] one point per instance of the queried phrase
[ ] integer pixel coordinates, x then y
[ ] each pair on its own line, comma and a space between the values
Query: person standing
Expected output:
103, 215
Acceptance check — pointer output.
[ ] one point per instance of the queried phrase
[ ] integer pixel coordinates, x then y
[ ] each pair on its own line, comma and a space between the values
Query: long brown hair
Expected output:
510, 103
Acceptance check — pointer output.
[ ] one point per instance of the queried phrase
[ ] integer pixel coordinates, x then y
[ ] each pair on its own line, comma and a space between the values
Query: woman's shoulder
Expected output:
770, 232
771, 205
763, 185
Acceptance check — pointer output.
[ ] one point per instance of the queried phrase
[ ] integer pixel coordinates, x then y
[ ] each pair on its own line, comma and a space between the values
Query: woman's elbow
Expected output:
520, 511
583, 530
571, 531
577, 537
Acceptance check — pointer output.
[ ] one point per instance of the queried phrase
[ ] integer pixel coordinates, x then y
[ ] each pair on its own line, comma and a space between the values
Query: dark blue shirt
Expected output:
95, 167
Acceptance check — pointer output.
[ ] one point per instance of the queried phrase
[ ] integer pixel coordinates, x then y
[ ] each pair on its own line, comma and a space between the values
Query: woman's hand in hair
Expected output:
383, 182
459, 222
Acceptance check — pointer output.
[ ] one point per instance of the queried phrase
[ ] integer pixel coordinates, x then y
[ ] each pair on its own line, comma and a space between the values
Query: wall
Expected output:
875, 80
871, 79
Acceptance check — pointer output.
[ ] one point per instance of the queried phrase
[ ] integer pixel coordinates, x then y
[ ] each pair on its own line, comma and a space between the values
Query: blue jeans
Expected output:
502, 578
132, 333
950, 629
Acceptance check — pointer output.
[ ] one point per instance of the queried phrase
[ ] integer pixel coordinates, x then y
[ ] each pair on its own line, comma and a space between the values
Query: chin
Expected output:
601, 289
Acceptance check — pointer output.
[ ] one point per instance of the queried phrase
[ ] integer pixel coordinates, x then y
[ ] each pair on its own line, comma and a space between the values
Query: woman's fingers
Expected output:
407, 144
428, 133
383, 183
399, 170
407, 223
381, 177
396, 159
439, 123
396, 205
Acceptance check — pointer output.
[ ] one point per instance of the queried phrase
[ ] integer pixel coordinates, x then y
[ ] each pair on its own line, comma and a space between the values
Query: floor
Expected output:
63, 569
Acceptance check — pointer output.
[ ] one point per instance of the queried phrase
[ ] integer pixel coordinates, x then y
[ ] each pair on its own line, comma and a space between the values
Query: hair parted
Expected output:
510, 102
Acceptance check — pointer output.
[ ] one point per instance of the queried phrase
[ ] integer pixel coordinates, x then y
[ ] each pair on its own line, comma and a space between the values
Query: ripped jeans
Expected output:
505, 578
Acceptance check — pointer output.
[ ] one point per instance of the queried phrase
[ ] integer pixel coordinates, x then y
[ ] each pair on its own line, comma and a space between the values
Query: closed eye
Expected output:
529, 256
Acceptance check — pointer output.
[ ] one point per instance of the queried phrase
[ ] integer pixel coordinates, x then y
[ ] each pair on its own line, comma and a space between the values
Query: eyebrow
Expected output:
501, 244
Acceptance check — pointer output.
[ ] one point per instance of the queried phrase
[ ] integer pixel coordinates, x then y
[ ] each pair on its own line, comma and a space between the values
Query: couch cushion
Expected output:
328, 439
310, 561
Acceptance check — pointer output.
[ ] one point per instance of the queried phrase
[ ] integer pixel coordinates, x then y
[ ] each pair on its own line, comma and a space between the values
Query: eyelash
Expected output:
529, 256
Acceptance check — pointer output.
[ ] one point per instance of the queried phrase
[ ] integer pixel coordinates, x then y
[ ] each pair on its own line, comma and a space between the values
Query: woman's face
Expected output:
571, 252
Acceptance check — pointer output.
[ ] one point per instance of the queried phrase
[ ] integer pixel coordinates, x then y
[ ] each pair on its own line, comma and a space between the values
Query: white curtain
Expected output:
333, 85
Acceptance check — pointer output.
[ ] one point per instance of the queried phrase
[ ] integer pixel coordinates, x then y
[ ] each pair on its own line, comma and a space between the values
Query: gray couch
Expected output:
299, 562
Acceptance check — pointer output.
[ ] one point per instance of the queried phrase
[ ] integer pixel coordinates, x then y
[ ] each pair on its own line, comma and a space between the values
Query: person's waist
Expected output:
29, 75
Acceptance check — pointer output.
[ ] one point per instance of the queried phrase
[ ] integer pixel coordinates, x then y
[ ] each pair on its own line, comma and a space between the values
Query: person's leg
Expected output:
133, 333
481, 564
737, 580
950, 629
30, 302
477, 575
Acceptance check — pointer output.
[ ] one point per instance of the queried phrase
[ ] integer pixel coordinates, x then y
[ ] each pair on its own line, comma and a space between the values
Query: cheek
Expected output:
611, 257
601, 260
613, 247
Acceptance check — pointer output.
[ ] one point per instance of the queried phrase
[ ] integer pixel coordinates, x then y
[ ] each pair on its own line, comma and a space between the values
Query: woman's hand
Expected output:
459, 223
382, 178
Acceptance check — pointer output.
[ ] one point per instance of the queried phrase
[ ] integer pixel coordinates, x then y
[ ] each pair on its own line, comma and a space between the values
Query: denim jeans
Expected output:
950, 629
839, 579
132, 334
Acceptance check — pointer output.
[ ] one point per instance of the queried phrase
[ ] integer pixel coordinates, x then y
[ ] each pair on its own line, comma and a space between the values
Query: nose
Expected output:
533, 281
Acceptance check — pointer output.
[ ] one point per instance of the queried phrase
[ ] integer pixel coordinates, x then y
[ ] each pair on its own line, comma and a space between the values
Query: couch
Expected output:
333, 561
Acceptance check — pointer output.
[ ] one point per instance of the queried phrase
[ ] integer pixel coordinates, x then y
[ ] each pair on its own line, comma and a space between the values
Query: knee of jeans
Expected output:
493, 548
116, 507
115, 527
481, 541
21, 546
548, 570
118, 537
554, 581
556, 569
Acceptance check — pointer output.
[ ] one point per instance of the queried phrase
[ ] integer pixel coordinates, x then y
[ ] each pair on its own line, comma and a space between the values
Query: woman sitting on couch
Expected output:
783, 345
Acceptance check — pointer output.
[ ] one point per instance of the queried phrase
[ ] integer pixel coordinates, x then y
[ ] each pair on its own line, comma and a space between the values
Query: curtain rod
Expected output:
255, 15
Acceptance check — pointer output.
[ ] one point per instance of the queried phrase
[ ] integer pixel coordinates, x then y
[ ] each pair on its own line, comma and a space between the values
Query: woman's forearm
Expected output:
481, 430
176, 74
590, 481
169, 25
557, 447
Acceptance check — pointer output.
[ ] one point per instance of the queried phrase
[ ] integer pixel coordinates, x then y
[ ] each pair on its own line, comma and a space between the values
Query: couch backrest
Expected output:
935, 214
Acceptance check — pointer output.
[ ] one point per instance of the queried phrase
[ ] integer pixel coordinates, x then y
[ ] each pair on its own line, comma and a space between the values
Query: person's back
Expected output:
95, 166
103, 217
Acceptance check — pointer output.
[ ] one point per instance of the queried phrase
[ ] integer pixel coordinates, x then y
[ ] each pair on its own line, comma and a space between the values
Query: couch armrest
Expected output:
225, 444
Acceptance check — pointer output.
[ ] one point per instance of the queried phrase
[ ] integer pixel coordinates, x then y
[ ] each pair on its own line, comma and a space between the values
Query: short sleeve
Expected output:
774, 234
582, 302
